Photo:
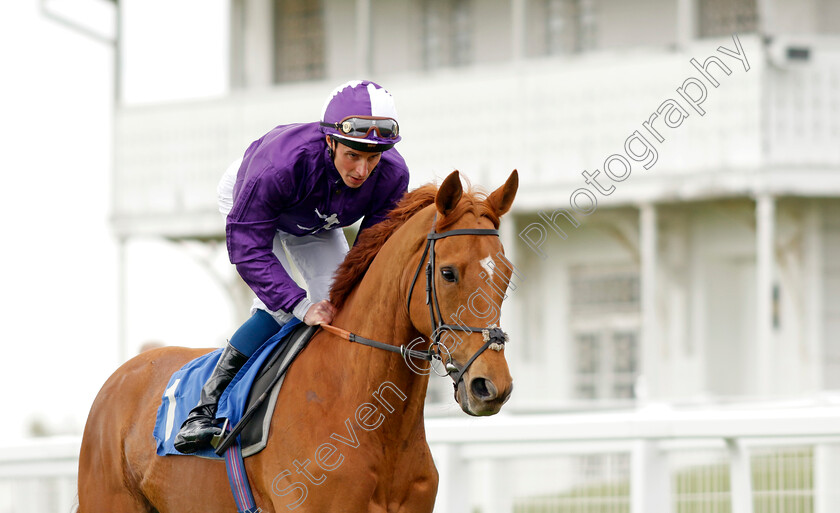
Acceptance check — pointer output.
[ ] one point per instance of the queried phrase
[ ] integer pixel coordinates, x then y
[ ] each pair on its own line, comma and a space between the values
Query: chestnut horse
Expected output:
347, 433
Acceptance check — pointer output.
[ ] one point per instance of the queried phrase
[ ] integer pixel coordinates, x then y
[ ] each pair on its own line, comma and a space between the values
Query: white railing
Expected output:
39, 475
651, 460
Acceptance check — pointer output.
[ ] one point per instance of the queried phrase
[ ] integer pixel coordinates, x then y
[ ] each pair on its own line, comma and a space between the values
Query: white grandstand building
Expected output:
707, 272
675, 334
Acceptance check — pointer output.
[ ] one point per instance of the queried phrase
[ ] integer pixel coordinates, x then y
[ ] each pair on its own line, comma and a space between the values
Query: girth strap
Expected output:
238, 477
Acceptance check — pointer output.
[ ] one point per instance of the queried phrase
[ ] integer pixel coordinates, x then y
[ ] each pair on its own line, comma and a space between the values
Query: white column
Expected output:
363, 58
765, 259
509, 237
826, 470
650, 480
813, 290
122, 299
517, 18
66, 491
686, 22
766, 23
494, 496
453, 485
236, 50
652, 355
258, 44
740, 476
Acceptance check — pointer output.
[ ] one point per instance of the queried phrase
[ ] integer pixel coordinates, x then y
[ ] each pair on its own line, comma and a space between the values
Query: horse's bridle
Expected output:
493, 336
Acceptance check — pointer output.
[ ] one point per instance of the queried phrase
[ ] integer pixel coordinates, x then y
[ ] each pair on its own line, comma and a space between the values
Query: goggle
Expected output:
362, 126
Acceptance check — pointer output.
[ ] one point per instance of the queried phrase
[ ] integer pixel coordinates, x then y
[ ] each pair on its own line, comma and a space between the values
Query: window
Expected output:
602, 292
725, 17
447, 33
588, 363
298, 40
625, 363
560, 26
605, 307
607, 363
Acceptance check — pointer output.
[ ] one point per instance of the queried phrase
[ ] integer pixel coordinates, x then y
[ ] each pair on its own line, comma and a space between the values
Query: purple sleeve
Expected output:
250, 230
380, 212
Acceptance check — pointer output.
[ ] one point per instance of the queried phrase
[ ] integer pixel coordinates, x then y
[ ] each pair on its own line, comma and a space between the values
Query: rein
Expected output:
352, 337
494, 337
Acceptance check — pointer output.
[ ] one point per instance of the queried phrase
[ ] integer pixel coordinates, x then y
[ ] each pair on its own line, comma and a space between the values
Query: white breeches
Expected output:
310, 258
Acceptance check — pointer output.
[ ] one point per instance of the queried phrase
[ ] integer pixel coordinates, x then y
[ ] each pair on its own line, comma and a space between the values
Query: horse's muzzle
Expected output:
481, 397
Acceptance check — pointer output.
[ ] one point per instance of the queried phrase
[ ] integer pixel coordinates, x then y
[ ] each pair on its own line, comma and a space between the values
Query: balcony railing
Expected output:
549, 118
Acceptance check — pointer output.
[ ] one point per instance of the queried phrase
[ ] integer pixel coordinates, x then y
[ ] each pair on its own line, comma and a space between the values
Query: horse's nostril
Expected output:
483, 389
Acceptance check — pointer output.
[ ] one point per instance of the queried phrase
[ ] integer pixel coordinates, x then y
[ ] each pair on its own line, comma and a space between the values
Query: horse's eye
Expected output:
449, 274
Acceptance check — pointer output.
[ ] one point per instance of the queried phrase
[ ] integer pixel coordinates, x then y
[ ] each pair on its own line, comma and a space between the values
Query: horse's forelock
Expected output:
472, 202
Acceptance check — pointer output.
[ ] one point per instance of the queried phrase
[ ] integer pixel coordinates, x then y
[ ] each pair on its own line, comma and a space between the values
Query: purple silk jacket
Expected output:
288, 182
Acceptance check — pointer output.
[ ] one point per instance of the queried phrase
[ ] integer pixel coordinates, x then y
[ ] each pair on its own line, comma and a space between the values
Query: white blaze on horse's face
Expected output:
487, 265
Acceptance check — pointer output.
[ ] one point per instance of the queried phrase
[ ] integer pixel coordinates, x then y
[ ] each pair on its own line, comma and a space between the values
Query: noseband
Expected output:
492, 335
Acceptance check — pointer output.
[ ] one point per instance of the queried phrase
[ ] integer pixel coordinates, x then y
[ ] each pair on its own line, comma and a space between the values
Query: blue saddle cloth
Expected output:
184, 390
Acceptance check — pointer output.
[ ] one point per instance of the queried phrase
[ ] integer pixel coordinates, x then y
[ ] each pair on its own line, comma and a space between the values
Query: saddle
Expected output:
254, 435
259, 381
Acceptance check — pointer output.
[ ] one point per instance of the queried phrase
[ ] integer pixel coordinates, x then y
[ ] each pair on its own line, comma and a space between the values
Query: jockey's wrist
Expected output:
301, 308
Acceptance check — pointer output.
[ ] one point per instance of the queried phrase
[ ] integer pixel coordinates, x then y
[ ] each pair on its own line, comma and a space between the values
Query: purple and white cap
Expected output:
359, 98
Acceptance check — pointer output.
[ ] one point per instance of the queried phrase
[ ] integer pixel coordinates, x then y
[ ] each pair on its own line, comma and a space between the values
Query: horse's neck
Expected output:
375, 310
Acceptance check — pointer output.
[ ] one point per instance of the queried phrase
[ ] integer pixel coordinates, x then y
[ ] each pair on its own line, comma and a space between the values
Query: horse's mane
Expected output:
358, 259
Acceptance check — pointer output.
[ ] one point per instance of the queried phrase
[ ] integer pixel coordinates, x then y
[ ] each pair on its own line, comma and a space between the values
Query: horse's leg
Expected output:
103, 483
421, 498
171, 484
96, 500
118, 448
415, 470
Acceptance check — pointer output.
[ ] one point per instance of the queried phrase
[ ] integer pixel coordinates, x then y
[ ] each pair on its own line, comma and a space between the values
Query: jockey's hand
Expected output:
321, 312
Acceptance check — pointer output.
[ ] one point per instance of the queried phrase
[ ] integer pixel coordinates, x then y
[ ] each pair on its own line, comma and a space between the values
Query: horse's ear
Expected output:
501, 199
449, 193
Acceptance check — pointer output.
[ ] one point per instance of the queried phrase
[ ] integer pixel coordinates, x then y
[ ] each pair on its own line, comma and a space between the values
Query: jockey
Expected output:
285, 202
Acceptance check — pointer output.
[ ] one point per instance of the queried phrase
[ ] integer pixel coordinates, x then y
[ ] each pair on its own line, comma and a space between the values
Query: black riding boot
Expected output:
200, 426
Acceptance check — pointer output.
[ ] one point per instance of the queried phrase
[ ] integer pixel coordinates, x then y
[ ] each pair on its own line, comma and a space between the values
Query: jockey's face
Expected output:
354, 166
